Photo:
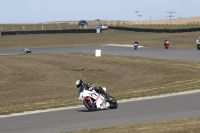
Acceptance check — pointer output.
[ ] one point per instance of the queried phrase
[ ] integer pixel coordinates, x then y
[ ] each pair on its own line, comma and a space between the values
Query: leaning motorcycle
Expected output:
94, 101
27, 50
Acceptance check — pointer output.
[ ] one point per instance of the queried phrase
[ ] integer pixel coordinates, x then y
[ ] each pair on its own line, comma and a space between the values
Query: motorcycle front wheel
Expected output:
89, 105
113, 103
198, 47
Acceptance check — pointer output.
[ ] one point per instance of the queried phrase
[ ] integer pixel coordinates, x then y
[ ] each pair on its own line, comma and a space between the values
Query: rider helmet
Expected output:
79, 83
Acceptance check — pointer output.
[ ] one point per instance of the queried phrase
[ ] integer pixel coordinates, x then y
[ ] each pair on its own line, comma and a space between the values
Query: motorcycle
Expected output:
135, 46
198, 46
166, 44
94, 101
27, 50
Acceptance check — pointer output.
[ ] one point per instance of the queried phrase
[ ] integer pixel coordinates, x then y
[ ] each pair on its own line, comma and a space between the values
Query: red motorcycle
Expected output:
166, 44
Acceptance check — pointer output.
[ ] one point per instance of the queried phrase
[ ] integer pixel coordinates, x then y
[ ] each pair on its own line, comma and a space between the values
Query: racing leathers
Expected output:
198, 41
167, 42
91, 87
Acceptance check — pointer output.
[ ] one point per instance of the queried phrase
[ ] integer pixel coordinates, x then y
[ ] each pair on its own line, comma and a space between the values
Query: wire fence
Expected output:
93, 24
154, 22
43, 26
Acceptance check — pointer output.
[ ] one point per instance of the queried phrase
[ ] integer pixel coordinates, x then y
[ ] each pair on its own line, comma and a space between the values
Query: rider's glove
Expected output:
91, 88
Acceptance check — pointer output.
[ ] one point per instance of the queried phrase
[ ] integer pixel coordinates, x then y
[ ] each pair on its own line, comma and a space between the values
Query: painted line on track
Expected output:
122, 45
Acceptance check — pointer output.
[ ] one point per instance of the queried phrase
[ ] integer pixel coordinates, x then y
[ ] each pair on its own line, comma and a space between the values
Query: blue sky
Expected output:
12, 11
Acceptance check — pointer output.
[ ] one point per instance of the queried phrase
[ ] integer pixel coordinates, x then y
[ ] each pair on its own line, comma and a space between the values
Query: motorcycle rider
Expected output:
81, 86
25, 50
167, 42
198, 42
136, 42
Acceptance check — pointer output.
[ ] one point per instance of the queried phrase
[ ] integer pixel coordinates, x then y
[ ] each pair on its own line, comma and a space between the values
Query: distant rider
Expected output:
198, 42
167, 42
81, 86
136, 42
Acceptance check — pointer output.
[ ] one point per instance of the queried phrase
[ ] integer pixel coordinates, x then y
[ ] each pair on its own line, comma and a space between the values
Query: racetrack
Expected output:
165, 108
171, 53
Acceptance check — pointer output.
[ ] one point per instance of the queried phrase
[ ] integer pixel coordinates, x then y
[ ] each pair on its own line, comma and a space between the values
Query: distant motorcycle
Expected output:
94, 101
135, 46
198, 46
27, 50
166, 44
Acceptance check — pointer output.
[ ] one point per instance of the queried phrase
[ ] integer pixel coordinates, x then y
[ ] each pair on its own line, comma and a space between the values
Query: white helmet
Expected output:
79, 83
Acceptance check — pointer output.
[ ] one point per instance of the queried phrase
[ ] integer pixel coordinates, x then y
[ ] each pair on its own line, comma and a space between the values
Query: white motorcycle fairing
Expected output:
94, 98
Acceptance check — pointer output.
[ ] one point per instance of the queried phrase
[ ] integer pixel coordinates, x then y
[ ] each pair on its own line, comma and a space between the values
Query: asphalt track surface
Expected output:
171, 53
146, 110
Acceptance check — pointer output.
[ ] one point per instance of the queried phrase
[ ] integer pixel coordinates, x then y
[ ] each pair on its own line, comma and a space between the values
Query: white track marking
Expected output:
121, 101
122, 45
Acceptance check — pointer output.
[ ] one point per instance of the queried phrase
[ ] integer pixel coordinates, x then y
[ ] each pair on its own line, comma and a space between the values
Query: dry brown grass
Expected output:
179, 40
191, 125
40, 81
188, 20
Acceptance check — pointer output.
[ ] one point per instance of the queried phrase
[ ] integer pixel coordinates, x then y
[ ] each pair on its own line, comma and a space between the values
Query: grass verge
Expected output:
41, 81
190, 125
178, 40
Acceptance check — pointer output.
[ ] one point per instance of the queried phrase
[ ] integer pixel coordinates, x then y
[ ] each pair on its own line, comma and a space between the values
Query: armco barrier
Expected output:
48, 31
155, 30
